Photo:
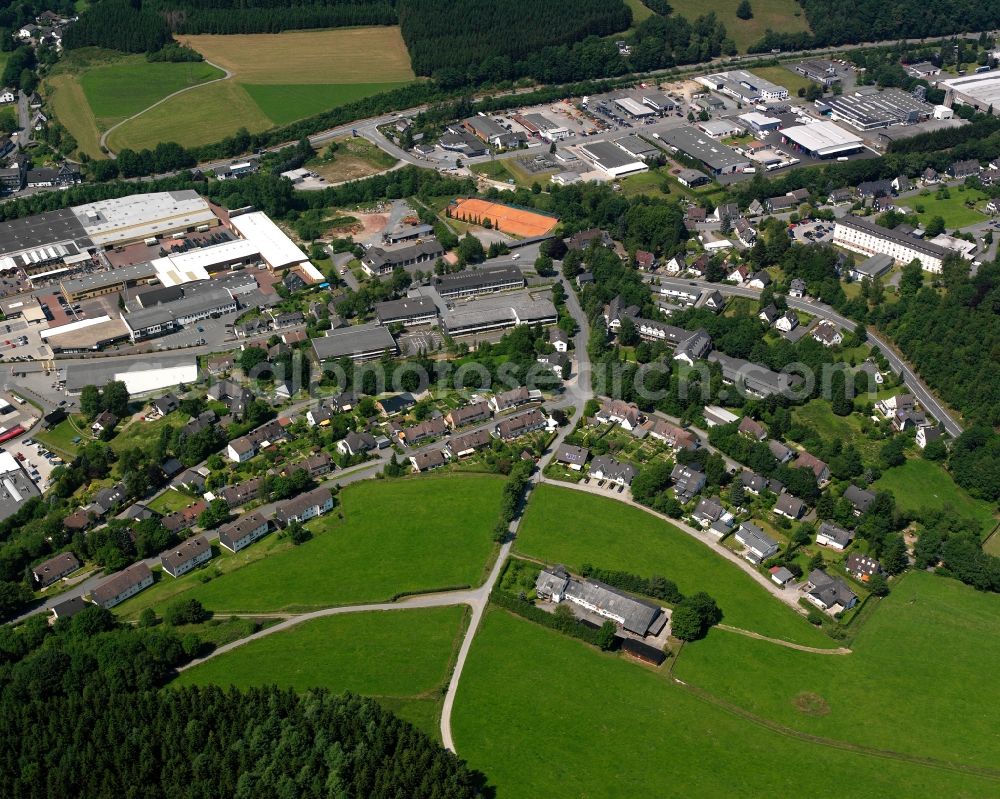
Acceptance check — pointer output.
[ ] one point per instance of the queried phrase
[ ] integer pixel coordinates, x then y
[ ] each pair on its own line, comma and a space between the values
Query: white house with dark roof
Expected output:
186, 556
604, 467
572, 457
830, 535
790, 507
829, 593
758, 545
243, 532
304, 507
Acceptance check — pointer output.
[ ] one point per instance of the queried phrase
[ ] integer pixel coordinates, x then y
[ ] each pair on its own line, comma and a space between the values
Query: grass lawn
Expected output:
540, 713
172, 500
142, 434
286, 103
952, 210
193, 118
565, 526
919, 680
60, 438
778, 15
921, 484
404, 655
818, 415
783, 76
65, 95
404, 535
117, 91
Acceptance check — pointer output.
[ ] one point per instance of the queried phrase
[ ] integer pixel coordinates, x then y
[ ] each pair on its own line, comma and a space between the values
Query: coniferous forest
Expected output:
83, 714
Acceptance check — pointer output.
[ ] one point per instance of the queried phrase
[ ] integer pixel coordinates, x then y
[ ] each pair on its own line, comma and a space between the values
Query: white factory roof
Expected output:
179, 268
312, 272
273, 245
140, 216
72, 327
634, 107
822, 138
984, 87
146, 380
758, 119
8, 463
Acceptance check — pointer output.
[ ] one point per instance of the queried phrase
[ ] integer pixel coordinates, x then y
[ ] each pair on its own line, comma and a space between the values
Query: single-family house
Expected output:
624, 414
356, 444
105, 421
862, 567
829, 593
687, 481
820, 470
752, 429
833, 536
826, 333
604, 467
758, 545
428, 459
709, 510
572, 457
926, 434
859, 498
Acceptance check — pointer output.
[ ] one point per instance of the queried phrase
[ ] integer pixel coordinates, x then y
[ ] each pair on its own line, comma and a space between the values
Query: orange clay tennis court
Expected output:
502, 217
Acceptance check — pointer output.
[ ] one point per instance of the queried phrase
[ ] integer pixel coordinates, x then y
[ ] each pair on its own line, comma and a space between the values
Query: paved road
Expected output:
913, 382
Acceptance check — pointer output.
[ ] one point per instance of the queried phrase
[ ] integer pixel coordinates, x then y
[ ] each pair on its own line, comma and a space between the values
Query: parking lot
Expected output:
36, 460
813, 232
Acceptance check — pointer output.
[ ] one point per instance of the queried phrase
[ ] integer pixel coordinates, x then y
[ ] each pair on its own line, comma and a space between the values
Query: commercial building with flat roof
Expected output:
51, 228
715, 156
865, 237
981, 91
658, 101
358, 342
140, 375
744, 86
867, 110
124, 220
16, 487
159, 320
546, 128
483, 315
634, 108
270, 241
611, 159
822, 139
97, 284
99, 332
408, 311
760, 123
484, 280
638, 147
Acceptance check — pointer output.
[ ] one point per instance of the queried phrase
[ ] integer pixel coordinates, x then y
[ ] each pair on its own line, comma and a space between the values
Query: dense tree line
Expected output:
119, 25
268, 16
81, 714
442, 35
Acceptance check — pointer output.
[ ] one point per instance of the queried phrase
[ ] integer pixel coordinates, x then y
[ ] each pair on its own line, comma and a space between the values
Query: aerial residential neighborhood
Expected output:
592, 398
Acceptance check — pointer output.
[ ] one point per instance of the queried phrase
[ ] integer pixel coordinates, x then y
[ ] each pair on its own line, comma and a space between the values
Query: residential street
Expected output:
898, 365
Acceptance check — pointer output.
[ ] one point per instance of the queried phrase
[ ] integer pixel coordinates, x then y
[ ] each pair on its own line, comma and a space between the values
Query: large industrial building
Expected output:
357, 342
611, 159
865, 237
744, 86
716, 157
868, 110
125, 220
822, 140
981, 91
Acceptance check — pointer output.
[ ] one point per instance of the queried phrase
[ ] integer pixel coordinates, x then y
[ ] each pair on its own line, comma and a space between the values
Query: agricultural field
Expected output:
117, 91
275, 79
924, 485
565, 526
384, 538
916, 682
69, 103
953, 209
778, 15
578, 722
401, 657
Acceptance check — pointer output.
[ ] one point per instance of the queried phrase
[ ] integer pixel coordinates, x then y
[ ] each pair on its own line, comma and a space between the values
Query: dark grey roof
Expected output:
187, 550
637, 616
576, 456
50, 227
405, 309
355, 341
859, 498
756, 539
837, 534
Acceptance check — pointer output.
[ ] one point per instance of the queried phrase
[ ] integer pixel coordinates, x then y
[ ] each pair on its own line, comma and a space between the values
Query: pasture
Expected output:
274, 79
565, 526
403, 656
117, 91
779, 15
924, 485
401, 536
69, 103
542, 714
919, 680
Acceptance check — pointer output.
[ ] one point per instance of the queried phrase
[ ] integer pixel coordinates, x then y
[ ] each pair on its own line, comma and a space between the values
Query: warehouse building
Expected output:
760, 123
159, 320
86, 335
865, 237
818, 71
822, 140
717, 158
659, 102
638, 147
744, 86
126, 220
270, 242
611, 159
485, 280
868, 110
98, 284
543, 126
981, 91
634, 108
